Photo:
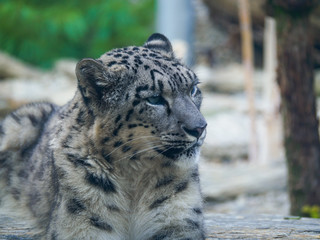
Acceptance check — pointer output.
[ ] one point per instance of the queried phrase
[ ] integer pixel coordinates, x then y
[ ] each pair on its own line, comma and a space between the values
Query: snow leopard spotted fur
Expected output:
119, 161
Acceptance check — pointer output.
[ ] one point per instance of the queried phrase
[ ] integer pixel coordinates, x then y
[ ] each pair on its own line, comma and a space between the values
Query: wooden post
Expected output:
271, 147
247, 58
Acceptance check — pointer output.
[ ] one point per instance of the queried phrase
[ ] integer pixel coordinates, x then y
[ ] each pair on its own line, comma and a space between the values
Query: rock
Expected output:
227, 79
271, 202
57, 86
221, 226
66, 67
11, 67
53, 87
222, 182
227, 136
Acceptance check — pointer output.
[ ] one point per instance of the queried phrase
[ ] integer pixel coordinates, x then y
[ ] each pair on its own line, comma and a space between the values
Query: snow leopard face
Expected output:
150, 97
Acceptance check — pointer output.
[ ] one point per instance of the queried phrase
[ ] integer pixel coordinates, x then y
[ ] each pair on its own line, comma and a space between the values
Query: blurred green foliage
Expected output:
311, 211
41, 31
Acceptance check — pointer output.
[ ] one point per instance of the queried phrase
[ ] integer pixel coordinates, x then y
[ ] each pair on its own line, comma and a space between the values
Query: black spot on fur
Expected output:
118, 118
118, 143
152, 73
129, 114
104, 140
181, 186
102, 182
113, 208
135, 49
66, 141
164, 181
75, 206
118, 55
192, 224
157, 63
98, 223
164, 233
141, 110
81, 118
16, 117
134, 156
135, 102
110, 64
132, 126
34, 199
34, 121
195, 175
153, 55
158, 202
146, 67
54, 236
124, 61
116, 131
197, 210
142, 88
138, 61
160, 83
137, 95
1, 130
107, 157
126, 149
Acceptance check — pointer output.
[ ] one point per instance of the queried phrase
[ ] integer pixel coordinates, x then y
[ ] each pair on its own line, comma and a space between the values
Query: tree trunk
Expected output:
295, 78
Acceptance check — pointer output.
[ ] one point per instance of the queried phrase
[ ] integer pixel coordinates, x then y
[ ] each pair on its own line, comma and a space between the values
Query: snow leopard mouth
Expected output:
175, 150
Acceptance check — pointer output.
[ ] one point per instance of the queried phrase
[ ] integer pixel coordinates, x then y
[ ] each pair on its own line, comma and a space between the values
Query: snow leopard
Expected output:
117, 162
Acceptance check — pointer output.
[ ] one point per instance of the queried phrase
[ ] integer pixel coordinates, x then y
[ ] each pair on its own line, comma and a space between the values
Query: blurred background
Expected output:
230, 44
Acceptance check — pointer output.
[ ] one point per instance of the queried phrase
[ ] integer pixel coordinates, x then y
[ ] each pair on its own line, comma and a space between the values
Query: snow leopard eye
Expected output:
156, 100
194, 91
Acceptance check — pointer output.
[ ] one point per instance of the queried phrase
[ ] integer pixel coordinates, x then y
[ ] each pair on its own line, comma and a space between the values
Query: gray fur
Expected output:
119, 161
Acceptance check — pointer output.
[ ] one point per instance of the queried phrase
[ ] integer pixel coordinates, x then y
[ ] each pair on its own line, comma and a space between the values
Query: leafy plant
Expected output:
311, 211
40, 31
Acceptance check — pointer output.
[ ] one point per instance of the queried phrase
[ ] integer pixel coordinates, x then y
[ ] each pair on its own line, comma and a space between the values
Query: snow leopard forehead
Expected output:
155, 59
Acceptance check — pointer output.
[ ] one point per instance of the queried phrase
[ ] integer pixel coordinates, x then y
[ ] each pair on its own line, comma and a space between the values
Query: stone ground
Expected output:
242, 188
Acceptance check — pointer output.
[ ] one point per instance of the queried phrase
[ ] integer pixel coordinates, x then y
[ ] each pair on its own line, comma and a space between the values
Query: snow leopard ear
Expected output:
92, 79
160, 43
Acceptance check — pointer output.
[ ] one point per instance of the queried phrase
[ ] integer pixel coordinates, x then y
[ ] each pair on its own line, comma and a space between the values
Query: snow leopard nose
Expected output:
195, 132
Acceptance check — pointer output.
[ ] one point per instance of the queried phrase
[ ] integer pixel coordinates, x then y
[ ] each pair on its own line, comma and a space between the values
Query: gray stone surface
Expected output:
226, 181
219, 226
